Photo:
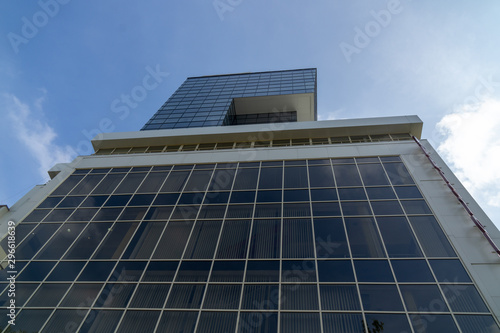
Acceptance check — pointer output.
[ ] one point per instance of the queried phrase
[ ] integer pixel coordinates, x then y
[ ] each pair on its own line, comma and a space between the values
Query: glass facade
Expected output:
208, 100
318, 245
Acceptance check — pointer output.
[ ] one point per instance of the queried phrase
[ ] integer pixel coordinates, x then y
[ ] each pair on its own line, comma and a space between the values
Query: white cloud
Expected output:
472, 147
36, 134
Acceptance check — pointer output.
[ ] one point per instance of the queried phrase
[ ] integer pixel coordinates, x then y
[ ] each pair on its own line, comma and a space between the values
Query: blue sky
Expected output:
63, 63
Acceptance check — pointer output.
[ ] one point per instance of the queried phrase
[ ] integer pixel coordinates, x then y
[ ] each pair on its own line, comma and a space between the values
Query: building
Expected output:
279, 224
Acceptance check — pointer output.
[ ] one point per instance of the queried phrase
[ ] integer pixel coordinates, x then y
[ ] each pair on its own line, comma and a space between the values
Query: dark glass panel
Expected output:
94, 201
321, 176
477, 324
58, 215
330, 238
297, 239
242, 197
296, 195
107, 214
71, 202
364, 238
335, 271
203, 240
81, 295
144, 241
117, 200
261, 297
83, 214
50, 202
263, 271
175, 181
212, 322
116, 240
63, 321
339, 297
352, 193
166, 199
108, 184
153, 182
222, 179
297, 271
246, 179
380, 297
408, 192
373, 271
66, 271
342, 322
398, 237
23, 292
130, 183
270, 178
35, 240
139, 321
431, 237
30, 320
373, 174
216, 197
159, 213
423, 298
353, 208
186, 212
133, 213
269, 196
296, 209
48, 295
199, 180
193, 271
391, 207
87, 185
464, 298
150, 296
268, 210
115, 295
258, 322
347, 175
385, 192
227, 271
36, 215
222, 296
299, 297
439, 323
160, 271
296, 177
398, 174
392, 323
234, 240
326, 194
212, 212
326, 208
185, 296
128, 271
63, 238
96, 271
416, 207
173, 241
265, 239
67, 185
412, 271
300, 322
177, 321
449, 271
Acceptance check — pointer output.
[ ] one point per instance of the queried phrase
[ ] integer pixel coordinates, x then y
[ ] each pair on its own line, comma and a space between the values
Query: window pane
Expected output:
297, 239
258, 322
297, 271
30, 320
321, 176
265, 240
423, 298
389, 322
391, 207
335, 271
300, 322
153, 182
116, 240
222, 296
222, 180
175, 181
340, 322
296, 195
150, 296
347, 175
246, 179
408, 192
260, 297
185, 296
270, 178
160, 271
269, 196
227, 271
173, 241
352, 208
439, 323
352, 193
449, 271
299, 297
177, 321
101, 321
115, 295
130, 183
48, 295
364, 238
380, 298
144, 241
198, 181
81, 295
326, 208
373, 174
398, 174
87, 185
194, 271
128, 271
412, 271
67, 185
139, 321
373, 271
296, 177
330, 238
211, 322
339, 297
63, 321
324, 194
35, 240
96, 271
108, 184
415, 207
385, 192
88, 241
66, 271
234, 240
63, 238
398, 237
477, 324
263, 271
203, 240
431, 237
